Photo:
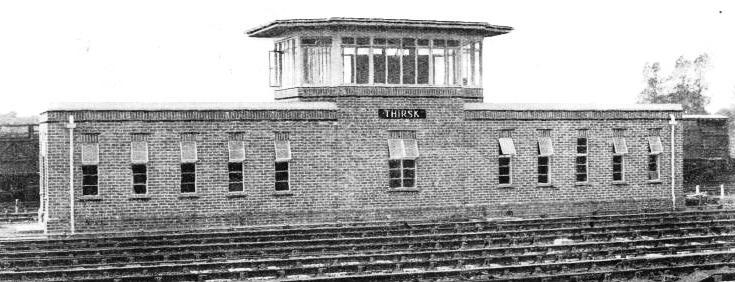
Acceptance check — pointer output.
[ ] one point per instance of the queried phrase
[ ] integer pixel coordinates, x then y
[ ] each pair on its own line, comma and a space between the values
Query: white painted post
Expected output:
722, 192
16, 205
697, 190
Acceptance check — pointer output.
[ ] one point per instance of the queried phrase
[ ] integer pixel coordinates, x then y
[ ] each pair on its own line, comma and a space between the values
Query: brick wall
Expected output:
339, 170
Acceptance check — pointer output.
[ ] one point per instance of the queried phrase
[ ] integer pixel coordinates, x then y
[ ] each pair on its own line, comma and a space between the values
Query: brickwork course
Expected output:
341, 161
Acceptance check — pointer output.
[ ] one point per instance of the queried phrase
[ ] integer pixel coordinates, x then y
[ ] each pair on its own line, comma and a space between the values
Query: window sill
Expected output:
282, 193
139, 197
620, 183
90, 198
582, 184
654, 181
506, 186
236, 195
549, 185
404, 190
188, 196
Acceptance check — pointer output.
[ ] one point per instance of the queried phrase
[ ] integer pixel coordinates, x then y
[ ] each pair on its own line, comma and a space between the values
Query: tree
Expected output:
685, 85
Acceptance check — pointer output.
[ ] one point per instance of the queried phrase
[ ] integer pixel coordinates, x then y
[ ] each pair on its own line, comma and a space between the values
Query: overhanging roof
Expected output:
279, 27
570, 107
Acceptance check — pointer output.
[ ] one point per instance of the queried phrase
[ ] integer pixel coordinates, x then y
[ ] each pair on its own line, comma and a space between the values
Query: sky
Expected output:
196, 51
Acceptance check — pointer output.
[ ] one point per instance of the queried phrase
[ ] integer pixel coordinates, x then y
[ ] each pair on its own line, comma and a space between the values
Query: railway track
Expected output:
601, 247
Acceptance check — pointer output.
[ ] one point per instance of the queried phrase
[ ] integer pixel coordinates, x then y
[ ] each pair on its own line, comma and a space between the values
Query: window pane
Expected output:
379, 65
139, 189
188, 178
409, 164
139, 169
466, 65
139, 152
395, 173
451, 67
235, 177
617, 176
363, 41
89, 180
581, 141
409, 65
504, 161
316, 65
280, 166
395, 183
422, 63
89, 169
188, 151
438, 62
235, 187
581, 160
617, 167
409, 173
653, 175
617, 159
281, 186
507, 147
654, 145
362, 67
476, 64
394, 66
140, 178
504, 170
581, 177
504, 179
282, 176
89, 190
543, 169
348, 64
188, 167
543, 161
234, 167
394, 163
543, 179
581, 169
187, 188
408, 183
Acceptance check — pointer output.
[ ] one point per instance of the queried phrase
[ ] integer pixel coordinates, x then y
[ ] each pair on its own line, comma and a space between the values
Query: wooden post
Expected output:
696, 189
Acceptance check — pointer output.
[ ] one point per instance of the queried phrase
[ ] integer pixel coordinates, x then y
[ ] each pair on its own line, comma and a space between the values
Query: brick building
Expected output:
707, 160
373, 119
18, 165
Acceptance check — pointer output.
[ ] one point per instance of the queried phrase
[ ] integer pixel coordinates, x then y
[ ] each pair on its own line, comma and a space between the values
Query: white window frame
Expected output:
402, 149
655, 148
452, 78
586, 159
546, 150
622, 167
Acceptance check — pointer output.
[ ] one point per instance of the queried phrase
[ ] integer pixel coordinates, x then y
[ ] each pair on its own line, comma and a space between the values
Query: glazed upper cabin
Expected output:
312, 57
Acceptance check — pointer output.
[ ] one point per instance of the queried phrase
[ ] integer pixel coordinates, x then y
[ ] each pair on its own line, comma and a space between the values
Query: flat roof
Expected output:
718, 117
198, 106
570, 107
279, 27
